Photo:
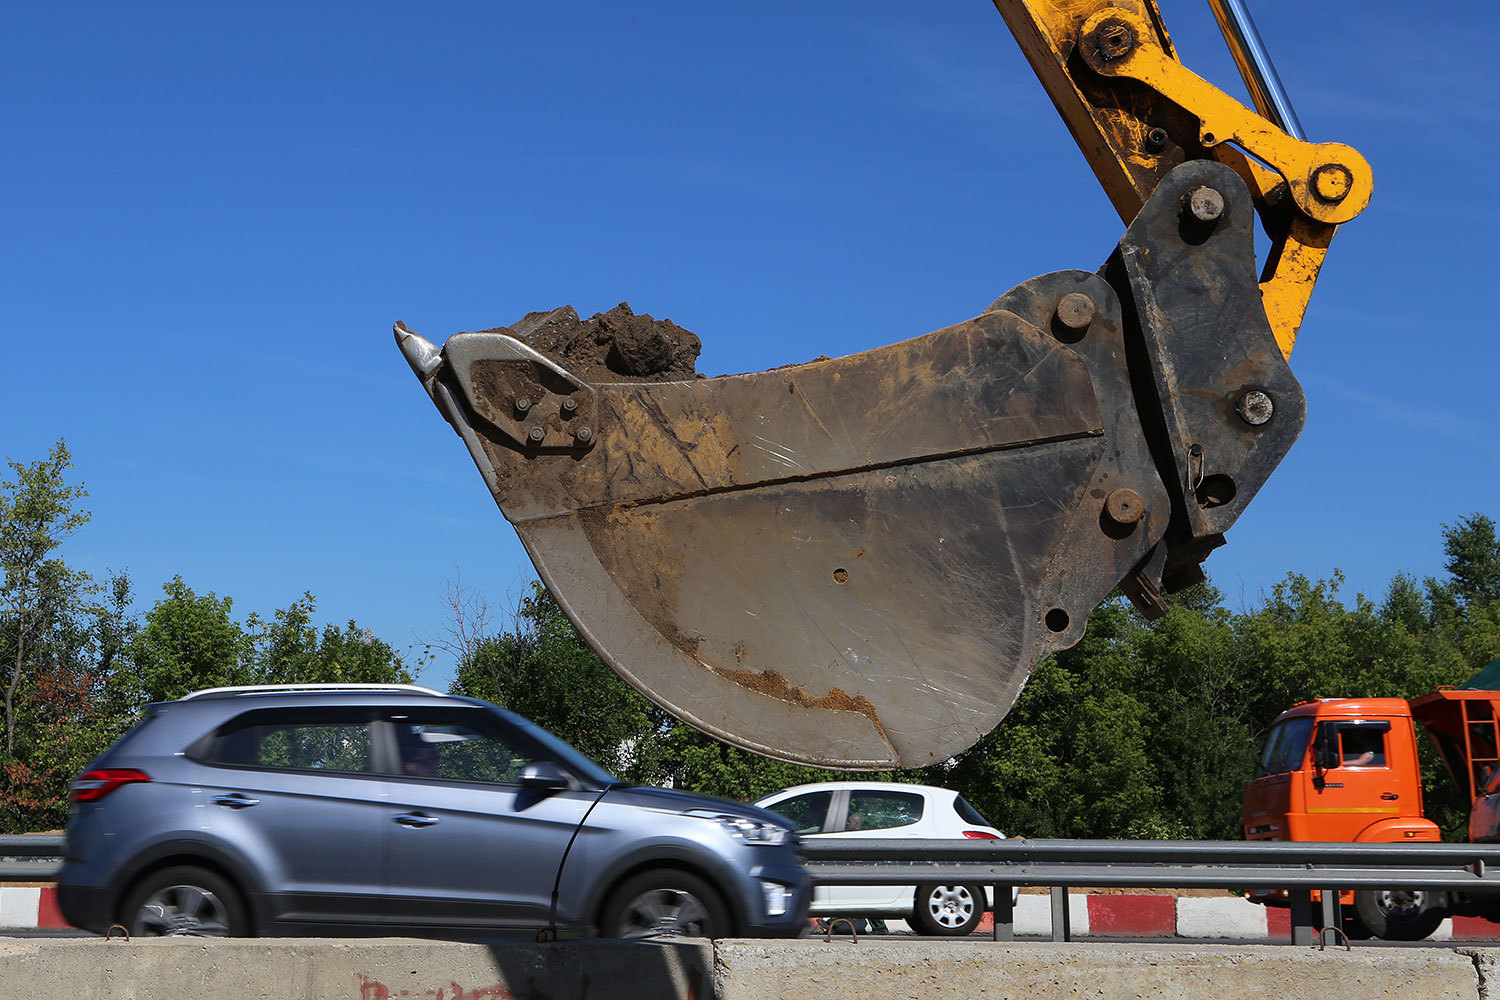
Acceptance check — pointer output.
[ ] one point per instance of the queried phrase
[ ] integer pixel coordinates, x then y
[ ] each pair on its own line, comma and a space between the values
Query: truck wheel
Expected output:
948, 910
1400, 914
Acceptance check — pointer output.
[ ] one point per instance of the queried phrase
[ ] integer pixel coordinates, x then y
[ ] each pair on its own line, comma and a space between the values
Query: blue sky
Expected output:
215, 213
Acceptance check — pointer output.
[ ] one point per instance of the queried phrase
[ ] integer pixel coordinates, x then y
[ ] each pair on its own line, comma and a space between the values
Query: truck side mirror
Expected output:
1326, 748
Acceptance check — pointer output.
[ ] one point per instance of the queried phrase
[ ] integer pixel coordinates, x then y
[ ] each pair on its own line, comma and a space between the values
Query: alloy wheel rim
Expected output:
665, 913
182, 910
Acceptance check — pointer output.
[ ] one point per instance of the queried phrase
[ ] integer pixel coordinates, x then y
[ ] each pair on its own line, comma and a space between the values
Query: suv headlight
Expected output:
751, 831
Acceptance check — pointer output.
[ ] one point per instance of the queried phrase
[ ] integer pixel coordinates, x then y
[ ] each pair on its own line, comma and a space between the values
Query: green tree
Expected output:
289, 649
38, 510
542, 669
189, 641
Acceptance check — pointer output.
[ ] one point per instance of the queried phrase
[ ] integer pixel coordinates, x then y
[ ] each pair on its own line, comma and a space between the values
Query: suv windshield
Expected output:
1285, 747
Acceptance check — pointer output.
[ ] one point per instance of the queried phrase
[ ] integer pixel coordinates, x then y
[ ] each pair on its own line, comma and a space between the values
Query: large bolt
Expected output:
1331, 183
584, 435
523, 404
1075, 311
1115, 40
535, 435
1124, 506
570, 405
1255, 407
1205, 204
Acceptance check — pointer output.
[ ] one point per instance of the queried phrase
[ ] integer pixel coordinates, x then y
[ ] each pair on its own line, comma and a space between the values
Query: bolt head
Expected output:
535, 435
1115, 40
569, 405
1331, 183
1205, 204
1124, 506
1075, 311
1156, 139
522, 404
1256, 407
584, 434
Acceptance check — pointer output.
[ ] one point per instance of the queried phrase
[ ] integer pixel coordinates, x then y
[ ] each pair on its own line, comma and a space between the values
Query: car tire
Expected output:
1400, 914
665, 902
948, 910
185, 901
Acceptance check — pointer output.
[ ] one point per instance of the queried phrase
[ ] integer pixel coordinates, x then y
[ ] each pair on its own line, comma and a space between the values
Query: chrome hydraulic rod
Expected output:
1255, 65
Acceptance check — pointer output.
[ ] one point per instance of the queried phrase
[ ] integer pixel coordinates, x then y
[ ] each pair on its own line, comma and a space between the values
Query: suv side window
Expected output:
435, 744
303, 740
882, 810
807, 812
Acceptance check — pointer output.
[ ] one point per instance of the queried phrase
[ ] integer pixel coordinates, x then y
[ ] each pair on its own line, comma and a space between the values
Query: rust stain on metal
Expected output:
773, 685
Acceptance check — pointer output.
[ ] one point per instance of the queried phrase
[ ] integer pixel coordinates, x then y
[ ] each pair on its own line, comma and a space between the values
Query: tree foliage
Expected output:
78, 668
1144, 729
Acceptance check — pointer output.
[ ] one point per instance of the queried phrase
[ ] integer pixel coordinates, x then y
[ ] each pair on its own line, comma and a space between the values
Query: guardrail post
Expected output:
1304, 930
1003, 913
1332, 913
1062, 928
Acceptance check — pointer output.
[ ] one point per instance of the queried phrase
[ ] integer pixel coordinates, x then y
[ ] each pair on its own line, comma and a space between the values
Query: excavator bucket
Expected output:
856, 562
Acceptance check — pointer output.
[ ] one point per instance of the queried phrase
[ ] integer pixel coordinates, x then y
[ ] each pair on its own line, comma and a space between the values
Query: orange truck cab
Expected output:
1339, 769
1346, 769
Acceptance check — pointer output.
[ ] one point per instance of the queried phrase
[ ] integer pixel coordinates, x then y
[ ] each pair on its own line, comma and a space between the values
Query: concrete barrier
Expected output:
965, 971
389, 969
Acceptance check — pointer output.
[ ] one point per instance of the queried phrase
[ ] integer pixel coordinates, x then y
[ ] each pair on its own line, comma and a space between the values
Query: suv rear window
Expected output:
330, 740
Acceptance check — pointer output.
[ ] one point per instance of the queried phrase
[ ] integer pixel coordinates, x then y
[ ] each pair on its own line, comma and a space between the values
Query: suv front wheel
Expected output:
184, 901
665, 903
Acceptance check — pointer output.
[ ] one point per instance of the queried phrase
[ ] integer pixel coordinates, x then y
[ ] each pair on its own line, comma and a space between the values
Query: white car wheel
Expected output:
948, 910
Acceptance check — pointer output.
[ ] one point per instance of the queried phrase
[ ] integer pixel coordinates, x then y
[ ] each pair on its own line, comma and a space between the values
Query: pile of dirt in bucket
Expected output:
614, 346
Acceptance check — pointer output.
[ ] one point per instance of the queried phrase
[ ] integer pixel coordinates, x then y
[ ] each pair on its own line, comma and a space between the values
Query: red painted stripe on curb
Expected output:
1279, 922
1132, 916
1475, 929
48, 913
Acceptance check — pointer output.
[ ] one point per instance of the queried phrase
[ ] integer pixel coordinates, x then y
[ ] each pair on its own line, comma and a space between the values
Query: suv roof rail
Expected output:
221, 692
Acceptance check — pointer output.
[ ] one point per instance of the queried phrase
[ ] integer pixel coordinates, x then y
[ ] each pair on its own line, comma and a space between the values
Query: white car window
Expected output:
806, 812
882, 810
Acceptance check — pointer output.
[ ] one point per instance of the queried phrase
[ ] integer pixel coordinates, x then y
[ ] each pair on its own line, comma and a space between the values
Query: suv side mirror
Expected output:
544, 775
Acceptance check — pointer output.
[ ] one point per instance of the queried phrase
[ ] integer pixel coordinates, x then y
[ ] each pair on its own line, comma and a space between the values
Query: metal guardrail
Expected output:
30, 857
1062, 864
1297, 867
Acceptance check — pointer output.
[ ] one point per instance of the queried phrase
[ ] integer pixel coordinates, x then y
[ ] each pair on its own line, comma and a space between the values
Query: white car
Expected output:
853, 809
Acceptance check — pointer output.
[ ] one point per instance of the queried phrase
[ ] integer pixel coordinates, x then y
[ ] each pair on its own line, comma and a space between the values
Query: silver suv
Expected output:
375, 809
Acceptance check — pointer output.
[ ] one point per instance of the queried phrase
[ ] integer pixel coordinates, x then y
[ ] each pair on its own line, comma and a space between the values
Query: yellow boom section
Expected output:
1136, 112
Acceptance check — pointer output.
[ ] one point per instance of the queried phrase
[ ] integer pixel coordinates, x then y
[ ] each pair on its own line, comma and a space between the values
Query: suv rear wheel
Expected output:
665, 903
185, 901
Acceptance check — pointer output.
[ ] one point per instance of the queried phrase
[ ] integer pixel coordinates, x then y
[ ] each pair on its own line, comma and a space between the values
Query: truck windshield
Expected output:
1285, 746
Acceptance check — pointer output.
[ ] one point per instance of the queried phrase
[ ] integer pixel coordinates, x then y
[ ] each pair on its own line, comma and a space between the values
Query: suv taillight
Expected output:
91, 786
980, 835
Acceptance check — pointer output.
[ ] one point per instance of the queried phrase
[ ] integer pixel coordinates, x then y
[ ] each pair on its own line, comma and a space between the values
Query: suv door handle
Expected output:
1390, 796
235, 801
416, 820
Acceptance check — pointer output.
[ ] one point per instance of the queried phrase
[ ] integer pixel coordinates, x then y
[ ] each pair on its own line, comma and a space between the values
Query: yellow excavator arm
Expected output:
1137, 113
857, 561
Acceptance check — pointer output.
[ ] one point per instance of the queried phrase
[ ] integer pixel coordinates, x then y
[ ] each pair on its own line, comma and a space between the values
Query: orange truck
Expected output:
1346, 769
